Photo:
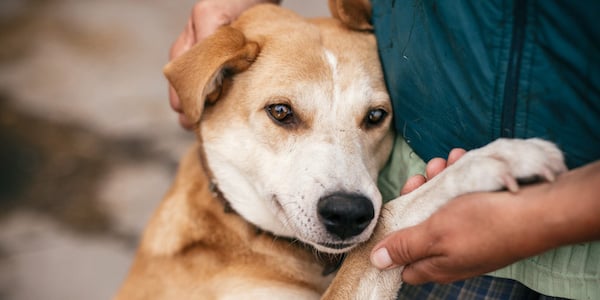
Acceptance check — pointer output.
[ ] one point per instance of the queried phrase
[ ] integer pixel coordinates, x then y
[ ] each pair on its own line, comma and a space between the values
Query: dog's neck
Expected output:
218, 195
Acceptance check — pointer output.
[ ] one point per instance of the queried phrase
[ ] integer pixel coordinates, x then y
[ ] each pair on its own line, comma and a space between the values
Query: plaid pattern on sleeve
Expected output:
478, 288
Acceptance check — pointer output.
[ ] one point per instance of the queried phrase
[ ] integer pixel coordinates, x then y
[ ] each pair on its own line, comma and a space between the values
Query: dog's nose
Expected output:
345, 215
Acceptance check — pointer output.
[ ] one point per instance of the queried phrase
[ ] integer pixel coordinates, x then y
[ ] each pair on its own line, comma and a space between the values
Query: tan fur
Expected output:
490, 168
193, 248
228, 50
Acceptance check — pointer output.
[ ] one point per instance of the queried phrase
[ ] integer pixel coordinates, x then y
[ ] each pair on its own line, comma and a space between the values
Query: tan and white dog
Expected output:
293, 123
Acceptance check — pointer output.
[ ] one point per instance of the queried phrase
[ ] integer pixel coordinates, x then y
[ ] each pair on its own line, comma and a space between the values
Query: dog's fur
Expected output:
241, 219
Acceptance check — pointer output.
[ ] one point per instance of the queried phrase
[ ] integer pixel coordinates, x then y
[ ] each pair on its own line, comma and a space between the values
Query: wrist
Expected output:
539, 221
561, 212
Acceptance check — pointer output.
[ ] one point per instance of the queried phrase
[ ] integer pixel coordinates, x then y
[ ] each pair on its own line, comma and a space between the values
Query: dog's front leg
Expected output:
357, 278
493, 167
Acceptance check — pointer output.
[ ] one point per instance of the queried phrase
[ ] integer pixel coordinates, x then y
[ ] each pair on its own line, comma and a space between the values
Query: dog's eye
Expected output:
282, 114
375, 117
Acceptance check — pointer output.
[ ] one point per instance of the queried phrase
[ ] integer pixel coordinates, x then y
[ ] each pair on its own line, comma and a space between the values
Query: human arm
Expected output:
206, 17
481, 232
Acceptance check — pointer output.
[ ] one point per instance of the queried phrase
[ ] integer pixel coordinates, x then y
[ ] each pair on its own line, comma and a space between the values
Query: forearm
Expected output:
564, 212
477, 233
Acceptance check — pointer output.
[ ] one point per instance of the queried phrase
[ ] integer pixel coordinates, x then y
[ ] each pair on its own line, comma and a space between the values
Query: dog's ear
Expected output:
197, 75
355, 14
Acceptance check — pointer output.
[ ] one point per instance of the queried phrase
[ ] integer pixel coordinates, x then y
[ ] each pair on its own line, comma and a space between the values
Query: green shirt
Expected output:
569, 272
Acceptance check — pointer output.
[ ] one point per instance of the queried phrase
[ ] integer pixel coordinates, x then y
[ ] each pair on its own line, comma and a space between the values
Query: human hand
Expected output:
480, 232
434, 167
206, 17
414, 246
471, 235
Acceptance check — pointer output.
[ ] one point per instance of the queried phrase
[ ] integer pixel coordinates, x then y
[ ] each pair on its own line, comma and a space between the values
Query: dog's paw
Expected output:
505, 162
379, 284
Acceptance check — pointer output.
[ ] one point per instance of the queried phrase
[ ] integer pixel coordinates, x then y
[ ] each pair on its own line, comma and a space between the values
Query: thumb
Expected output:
401, 248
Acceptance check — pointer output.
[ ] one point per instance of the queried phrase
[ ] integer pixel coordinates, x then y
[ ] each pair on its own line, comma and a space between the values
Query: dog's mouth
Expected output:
335, 248
331, 235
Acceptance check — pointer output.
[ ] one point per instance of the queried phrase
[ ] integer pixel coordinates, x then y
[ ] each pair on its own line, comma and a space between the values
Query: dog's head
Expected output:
294, 119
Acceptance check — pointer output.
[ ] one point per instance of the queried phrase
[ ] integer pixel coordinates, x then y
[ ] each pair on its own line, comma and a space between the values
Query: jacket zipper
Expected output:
511, 85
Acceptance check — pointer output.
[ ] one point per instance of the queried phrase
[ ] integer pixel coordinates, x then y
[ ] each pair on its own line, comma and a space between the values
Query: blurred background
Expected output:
88, 142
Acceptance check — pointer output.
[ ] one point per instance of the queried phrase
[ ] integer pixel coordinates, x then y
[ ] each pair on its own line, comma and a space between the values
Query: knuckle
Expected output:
400, 251
209, 10
431, 273
416, 274
202, 7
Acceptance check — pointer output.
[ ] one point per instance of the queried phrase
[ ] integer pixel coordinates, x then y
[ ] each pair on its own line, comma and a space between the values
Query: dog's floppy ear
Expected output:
355, 14
198, 74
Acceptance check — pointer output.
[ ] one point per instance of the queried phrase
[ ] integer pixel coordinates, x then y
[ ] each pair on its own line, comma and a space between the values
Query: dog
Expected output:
293, 125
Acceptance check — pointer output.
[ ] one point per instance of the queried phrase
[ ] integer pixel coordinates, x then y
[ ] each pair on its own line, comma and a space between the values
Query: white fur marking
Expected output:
333, 65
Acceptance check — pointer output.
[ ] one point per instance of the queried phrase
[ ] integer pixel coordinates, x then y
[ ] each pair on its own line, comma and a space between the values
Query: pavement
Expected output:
88, 142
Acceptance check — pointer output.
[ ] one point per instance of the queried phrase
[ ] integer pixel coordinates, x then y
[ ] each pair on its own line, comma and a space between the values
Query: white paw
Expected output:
377, 285
503, 162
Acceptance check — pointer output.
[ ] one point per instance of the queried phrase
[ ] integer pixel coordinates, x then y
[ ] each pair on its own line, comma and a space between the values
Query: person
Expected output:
461, 74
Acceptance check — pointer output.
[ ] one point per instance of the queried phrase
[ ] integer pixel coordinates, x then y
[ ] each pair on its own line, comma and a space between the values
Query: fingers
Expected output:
174, 100
412, 184
412, 249
401, 248
414, 274
176, 105
435, 167
206, 17
185, 122
455, 154
426, 270
184, 41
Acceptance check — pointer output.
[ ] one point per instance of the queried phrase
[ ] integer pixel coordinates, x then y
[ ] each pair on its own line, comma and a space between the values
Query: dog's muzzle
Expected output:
345, 215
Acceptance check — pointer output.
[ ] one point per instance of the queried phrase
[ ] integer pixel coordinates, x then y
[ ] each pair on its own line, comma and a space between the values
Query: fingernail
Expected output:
381, 259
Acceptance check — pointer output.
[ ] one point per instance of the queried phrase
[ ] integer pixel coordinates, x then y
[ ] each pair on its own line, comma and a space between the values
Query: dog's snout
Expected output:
345, 215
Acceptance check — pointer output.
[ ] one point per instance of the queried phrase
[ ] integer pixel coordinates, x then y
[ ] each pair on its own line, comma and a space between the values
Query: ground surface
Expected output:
88, 143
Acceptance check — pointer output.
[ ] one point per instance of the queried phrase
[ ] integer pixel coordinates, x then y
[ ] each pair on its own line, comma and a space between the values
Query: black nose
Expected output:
345, 215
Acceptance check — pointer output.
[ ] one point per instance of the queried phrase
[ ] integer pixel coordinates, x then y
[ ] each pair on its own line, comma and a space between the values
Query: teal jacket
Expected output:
464, 73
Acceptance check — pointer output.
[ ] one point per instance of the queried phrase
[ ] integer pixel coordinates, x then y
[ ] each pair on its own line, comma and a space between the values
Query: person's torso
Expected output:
464, 73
